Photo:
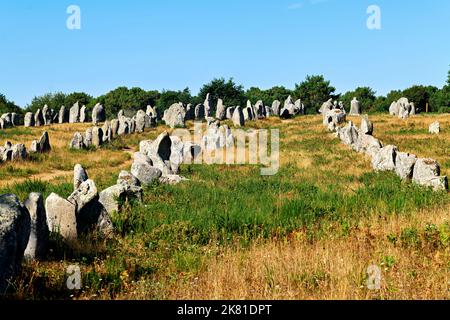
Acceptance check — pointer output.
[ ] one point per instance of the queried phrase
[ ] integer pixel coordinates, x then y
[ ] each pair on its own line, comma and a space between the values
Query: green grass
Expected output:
221, 205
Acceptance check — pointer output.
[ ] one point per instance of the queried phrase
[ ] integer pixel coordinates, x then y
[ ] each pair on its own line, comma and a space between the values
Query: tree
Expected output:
231, 93
7, 106
52, 100
167, 98
82, 98
365, 95
122, 98
313, 92
267, 96
420, 95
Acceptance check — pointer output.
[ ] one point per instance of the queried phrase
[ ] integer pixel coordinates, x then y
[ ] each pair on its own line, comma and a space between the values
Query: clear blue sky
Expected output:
173, 44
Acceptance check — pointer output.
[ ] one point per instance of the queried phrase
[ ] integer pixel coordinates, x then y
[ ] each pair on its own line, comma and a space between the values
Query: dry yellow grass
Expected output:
332, 266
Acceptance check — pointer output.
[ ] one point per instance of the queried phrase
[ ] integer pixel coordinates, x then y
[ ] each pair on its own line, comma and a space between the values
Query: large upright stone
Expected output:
435, 128
38, 118
98, 114
38, 241
238, 117
63, 115
44, 143
427, 172
61, 217
74, 114
47, 114
142, 121
384, 160
175, 116
404, 165
97, 137
83, 114
355, 107
79, 176
366, 125
88, 137
29, 120
145, 173
220, 110
208, 105
276, 108
199, 111
14, 234
114, 127
326, 106
77, 142
19, 152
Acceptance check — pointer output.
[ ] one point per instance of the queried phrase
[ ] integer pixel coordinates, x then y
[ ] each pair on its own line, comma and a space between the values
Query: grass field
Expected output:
309, 232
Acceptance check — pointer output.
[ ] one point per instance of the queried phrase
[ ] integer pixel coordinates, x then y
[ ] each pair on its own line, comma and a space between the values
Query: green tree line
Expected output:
313, 91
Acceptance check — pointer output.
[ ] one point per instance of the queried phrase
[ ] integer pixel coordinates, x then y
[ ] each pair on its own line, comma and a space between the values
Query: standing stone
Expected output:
427, 172
74, 113
355, 108
260, 110
29, 120
63, 116
366, 125
276, 108
238, 117
88, 138
97, 137
98, 114
46, 113
14, 234
175, 116
142, 121
112, 198
200, 113
34, 148
38, 241
114, 127
404, 165
124, 127
435, 128
220, 110
145, 173
44, 143
208, 105
83, 114
394, 109
384, 160
19, 152
229, 113
190, 112
79, 176
107, 132
299, 107
39, 118
327, 106
77, 142
61, 217
15, 119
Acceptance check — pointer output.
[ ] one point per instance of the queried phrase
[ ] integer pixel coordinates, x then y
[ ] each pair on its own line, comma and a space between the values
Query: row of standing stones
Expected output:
177, 114
18, 152
75, 114
25, 227
425, 172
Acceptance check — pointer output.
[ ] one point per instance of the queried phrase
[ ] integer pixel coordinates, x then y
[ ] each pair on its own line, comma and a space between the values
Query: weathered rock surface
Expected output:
39, 235
427, 172
15, 228
61, 217
384, 160
404, 165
